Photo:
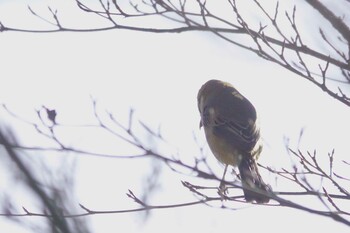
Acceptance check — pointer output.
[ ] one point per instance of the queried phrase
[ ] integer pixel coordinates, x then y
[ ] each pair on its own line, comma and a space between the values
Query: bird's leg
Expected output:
222, 187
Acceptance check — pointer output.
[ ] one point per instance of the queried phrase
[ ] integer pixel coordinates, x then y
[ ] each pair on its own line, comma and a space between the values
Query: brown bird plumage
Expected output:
230, 125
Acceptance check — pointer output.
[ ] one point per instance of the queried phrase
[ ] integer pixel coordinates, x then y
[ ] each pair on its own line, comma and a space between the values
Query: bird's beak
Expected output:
200, 124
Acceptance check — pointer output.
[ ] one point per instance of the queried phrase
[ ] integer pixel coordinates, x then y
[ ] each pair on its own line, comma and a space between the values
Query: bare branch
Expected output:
299, 177
336, 22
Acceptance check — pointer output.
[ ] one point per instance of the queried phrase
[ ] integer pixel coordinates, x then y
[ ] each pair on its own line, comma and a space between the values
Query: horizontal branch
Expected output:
302, 49
75, 150
88, 211
146, 207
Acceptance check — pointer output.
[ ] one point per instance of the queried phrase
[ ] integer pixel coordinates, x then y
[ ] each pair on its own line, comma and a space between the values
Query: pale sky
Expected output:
158, 75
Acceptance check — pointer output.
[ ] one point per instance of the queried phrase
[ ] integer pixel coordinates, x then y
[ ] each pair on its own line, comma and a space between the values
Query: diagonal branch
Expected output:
336, 22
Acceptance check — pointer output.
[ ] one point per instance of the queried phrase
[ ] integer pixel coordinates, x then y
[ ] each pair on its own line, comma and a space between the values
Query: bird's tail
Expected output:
254, 187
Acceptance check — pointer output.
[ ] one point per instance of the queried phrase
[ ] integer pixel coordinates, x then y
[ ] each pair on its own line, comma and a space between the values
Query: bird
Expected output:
233, 134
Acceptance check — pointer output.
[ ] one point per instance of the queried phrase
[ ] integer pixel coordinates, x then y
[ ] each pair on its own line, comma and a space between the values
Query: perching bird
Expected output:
230, 125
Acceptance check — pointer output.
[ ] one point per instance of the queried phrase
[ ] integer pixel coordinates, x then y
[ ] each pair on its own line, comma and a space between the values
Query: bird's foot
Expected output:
222, 191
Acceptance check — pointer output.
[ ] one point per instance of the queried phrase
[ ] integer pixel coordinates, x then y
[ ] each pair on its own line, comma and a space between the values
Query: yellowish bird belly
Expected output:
222, 150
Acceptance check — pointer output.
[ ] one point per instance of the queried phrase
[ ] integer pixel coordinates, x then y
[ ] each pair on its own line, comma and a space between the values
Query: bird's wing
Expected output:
234, 120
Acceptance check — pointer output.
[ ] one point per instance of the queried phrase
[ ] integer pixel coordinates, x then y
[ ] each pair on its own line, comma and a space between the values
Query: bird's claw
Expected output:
222, 191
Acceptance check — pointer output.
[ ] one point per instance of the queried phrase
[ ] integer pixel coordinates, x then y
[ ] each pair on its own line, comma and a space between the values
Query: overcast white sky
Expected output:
158, 75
